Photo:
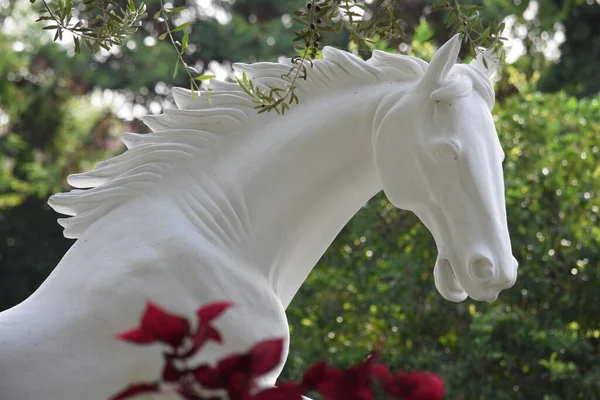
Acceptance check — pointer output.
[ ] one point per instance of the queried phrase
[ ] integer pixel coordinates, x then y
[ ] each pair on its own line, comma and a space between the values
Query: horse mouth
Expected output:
446, 281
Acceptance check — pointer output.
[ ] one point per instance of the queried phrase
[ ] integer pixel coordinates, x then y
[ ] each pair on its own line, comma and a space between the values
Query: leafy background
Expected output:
60, 113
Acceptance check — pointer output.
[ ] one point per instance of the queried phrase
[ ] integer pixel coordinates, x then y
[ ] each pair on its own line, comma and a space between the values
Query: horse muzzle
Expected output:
482, 280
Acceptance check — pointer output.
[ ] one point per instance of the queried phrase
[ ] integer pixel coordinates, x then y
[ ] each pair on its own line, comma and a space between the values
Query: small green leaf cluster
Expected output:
464, 19
363, 24
273, 98
110, 24
316, 18
163, 15
312, 19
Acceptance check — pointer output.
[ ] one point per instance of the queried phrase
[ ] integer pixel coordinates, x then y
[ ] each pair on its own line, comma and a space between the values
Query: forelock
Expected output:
481, 83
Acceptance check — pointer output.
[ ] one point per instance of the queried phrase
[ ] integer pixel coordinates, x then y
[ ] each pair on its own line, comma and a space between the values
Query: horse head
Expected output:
438, 154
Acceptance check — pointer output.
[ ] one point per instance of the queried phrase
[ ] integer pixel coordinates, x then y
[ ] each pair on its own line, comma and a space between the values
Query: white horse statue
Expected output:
221, 203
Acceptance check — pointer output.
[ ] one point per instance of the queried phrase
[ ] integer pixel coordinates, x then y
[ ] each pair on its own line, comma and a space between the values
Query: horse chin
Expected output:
446, 282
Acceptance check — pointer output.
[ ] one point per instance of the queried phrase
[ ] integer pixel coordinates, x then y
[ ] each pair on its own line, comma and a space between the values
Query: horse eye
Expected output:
446, 149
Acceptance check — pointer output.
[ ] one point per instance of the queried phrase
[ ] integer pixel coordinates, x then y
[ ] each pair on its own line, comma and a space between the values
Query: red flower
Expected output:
410, 385
157, 325
206, 331
209, 312
231, 374
265, 356
350, 384
420, 385
314, 375
200, 337
236, 373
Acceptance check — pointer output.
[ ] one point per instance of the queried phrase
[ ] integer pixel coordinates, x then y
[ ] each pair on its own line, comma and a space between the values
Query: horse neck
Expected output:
270, 200
302, 177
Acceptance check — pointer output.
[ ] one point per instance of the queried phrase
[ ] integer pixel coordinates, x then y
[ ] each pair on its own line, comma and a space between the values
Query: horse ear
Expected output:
492, 59
442, 62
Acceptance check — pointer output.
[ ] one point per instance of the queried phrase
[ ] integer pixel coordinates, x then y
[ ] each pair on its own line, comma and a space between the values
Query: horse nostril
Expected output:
482, 269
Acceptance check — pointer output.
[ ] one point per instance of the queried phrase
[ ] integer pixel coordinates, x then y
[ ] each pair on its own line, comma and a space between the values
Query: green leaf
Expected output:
204, 77
181, 27
185, 41
300, 21
176, 69
176, 9
163, 36
115, 18
69, 9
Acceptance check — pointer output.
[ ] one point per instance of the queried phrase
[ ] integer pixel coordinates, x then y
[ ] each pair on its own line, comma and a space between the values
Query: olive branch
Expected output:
317, 17
163, 16
111, 25
464, 19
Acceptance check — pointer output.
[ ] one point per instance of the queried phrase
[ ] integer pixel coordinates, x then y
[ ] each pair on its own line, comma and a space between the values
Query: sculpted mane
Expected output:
197, 127
231, 108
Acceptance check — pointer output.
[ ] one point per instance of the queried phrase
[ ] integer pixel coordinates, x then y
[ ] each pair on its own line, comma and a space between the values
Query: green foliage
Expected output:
314, 20
46, 132
39, 147
317, 17
274, 98
110, 24
577, 72
464, 19
163, 15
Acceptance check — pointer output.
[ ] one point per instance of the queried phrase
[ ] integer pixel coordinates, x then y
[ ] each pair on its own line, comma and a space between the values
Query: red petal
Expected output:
424, 385
239, 386
363, 393
167, 328
136, 335
265, 356
331, 386
233, 363
211, 311
206, 333
134, 390
292, 389
339, 384
209, 377
359, 375
273, 393
314, 375
381, 371
201, 337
